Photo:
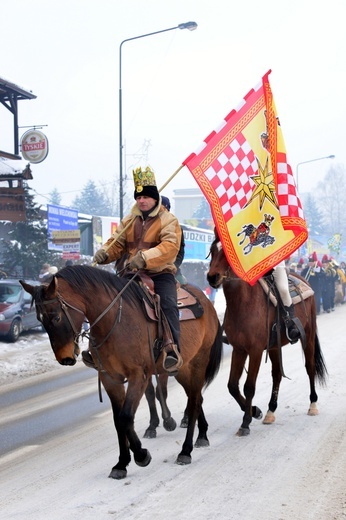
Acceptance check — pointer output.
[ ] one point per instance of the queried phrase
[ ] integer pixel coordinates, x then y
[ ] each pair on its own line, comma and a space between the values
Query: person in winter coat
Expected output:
313, 273
328, 290
150, 237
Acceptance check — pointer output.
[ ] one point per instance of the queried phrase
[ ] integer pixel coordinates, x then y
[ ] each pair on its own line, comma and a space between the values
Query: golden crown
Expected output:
143, 178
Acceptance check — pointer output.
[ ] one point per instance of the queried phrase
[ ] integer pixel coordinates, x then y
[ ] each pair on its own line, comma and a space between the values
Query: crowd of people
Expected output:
327, 279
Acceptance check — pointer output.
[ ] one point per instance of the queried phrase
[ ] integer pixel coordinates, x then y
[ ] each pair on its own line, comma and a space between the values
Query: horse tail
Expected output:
320, 365
215, 358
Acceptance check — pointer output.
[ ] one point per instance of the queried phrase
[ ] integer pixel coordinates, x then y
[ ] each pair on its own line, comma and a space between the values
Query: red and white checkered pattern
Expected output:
230, 174
224, 168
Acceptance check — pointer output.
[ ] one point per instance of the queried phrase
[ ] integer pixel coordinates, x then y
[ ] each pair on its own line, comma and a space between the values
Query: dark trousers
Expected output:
165, 287
316, 287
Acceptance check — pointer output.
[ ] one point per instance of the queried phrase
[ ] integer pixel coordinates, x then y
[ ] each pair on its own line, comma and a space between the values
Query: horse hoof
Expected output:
145, 461
117, 474
169, 424
150, 434
269, 418
202, 443
182, 460
243, 432
184, 422
313, 409
257, 413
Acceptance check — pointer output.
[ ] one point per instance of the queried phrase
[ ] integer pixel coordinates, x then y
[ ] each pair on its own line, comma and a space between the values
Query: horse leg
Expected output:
185, 419
161, 395
202, 439
116, 394
312, 356
276, 378
194, 407
123, 414
169, 423
150, 432
237, 367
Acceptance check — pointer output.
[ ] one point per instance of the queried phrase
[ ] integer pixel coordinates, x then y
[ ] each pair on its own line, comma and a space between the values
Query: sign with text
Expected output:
62, 227
12, 204
34, 146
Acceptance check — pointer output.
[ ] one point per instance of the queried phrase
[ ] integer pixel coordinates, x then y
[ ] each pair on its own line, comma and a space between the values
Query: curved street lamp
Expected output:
312, 160
191, 26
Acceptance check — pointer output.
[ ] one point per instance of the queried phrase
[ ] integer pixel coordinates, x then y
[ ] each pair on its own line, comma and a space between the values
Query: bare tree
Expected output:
331, 195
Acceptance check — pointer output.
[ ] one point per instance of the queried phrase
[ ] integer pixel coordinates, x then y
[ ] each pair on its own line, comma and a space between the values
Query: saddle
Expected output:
300, 290
189, 306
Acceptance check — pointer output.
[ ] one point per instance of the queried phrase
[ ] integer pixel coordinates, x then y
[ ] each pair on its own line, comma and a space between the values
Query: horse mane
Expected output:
82, 278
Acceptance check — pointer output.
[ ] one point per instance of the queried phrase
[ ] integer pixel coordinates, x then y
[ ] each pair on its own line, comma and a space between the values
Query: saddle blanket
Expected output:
299, 289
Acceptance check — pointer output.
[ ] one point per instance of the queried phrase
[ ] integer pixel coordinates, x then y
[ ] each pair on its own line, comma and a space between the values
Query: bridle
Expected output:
228, 275
77, 334
64, 306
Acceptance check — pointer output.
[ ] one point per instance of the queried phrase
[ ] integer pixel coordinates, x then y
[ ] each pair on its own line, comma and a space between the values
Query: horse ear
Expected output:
27, 287
52, 289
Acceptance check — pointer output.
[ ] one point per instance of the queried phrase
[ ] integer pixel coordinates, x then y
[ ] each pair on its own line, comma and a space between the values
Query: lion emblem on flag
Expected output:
257, 235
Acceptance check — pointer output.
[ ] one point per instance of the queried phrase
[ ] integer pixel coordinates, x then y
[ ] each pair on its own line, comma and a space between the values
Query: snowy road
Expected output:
293, 469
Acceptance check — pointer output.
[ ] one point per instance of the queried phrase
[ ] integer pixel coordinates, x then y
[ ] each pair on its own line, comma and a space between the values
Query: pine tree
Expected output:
91, 201
314, 216
26, 248
55, 197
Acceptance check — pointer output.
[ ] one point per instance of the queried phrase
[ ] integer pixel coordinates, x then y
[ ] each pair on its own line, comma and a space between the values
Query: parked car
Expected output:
16, 313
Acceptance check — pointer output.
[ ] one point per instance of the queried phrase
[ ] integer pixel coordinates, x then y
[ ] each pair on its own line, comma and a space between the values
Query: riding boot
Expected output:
292, 331
88, 360
172, 359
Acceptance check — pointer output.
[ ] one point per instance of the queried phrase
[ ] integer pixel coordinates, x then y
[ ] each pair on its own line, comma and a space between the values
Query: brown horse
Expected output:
248, 321
121, 340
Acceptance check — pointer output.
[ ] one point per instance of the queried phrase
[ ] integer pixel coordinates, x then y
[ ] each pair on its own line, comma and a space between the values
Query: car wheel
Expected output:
15, 330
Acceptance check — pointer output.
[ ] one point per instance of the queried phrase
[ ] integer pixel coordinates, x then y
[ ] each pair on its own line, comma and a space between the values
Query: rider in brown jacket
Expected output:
151, 243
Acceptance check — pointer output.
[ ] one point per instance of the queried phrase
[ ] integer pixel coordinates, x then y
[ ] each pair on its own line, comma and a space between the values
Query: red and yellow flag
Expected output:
243, 172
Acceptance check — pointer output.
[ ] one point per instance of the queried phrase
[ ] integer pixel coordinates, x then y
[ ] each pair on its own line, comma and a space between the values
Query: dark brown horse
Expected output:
248, 320
122, 340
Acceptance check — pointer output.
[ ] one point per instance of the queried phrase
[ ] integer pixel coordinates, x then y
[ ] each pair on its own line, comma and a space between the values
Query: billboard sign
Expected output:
63, 229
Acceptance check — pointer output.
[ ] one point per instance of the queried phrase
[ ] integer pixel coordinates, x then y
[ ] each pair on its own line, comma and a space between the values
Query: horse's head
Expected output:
61, 321
219, 266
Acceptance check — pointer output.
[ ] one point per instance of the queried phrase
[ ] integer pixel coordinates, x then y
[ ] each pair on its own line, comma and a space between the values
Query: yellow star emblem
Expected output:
265, 188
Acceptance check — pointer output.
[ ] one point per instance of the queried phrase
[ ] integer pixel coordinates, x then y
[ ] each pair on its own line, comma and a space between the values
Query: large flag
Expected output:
243, 172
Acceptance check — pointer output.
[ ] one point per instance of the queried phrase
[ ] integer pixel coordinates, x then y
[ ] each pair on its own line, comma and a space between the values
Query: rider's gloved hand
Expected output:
100, 256
137, 262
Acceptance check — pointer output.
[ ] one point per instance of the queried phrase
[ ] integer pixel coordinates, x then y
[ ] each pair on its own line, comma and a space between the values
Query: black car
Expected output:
16, 312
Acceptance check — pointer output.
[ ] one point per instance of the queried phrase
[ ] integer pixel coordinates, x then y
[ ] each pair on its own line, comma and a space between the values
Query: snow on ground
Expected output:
295, 468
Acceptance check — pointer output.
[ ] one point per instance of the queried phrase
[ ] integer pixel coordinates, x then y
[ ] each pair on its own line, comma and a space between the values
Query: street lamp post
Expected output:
311, 160
191, 26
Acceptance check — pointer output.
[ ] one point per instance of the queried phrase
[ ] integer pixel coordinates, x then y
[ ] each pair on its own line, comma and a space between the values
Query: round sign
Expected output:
34, 146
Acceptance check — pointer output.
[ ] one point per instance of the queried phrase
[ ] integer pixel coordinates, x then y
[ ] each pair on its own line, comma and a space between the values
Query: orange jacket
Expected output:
158, 237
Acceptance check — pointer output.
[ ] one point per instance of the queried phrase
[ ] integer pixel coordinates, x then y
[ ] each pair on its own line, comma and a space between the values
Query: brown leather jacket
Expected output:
158, 237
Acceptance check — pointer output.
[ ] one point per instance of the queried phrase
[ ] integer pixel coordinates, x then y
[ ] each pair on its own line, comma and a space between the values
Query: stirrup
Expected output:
172, 359
88, 360
291, 339
292, 332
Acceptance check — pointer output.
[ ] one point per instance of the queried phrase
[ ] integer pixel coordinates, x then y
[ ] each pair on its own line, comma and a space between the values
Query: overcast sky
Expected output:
177, 86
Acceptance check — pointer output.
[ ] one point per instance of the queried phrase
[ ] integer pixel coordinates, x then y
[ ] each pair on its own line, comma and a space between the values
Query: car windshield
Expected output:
9, 293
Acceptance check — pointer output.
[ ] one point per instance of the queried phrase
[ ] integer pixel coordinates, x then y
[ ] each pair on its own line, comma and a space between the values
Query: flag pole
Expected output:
132, 220
171, 177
